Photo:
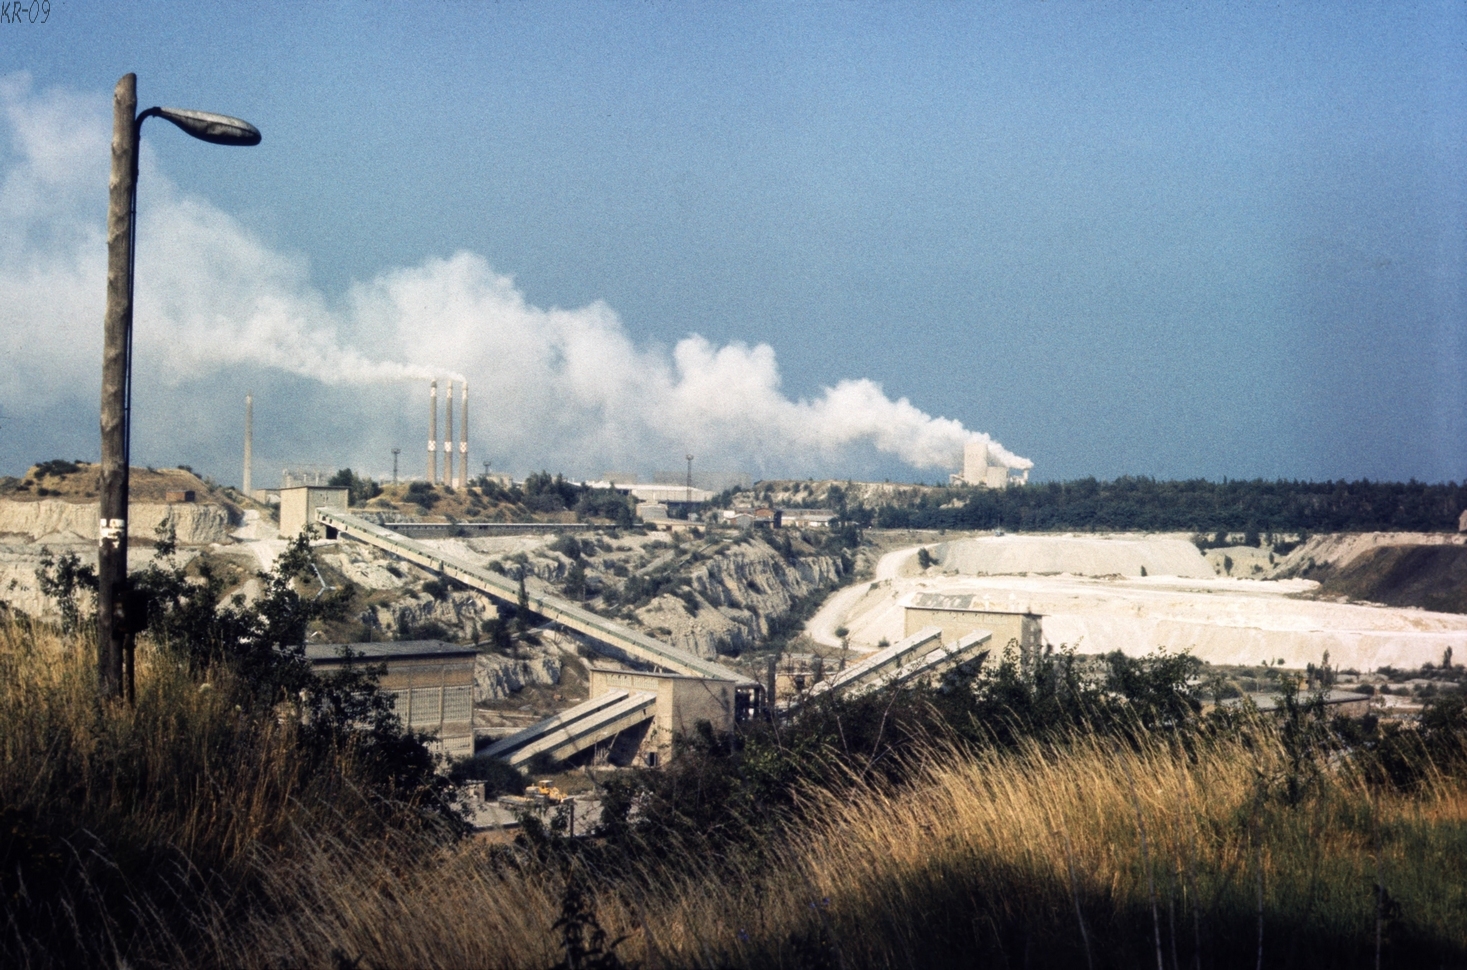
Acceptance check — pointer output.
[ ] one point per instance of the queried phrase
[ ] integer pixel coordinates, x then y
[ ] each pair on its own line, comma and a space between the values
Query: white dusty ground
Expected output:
1092, 596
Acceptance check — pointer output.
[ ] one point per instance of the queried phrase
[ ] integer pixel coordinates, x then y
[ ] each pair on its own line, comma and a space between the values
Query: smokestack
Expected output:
449, 478
463, 445
249, 440
433, 433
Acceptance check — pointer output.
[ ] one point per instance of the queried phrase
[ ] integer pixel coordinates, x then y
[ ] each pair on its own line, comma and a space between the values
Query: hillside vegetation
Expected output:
1139, 504
1433, 577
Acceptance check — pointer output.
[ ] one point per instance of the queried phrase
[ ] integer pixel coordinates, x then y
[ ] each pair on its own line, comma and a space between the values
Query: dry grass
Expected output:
996, 857
131, 823
226, 851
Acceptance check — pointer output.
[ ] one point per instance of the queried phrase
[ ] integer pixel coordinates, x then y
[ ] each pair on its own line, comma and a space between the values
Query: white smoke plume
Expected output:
554, 388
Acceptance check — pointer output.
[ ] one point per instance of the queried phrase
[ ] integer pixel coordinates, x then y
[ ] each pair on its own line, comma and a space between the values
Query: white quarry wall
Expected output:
1220, 620
1076, 555
51, 520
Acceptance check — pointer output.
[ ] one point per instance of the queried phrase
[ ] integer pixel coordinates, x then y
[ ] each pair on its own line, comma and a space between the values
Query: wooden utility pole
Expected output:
117, 346
114, 625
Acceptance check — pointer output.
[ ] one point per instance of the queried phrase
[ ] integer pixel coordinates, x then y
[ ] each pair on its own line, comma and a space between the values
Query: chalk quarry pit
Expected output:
1138, 593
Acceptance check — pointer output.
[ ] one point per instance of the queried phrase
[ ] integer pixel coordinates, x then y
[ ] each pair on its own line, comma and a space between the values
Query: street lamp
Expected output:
115, 630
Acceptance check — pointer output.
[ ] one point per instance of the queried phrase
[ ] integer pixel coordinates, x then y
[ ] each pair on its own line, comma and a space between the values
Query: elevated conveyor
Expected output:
937, 661
567, 614
916, 655
574, 730
886, 659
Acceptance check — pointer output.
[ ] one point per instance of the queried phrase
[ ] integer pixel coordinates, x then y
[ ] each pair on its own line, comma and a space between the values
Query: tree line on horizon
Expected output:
1135, 503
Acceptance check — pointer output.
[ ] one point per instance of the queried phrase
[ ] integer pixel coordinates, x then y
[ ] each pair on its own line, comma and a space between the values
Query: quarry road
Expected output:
890, 565
832, 614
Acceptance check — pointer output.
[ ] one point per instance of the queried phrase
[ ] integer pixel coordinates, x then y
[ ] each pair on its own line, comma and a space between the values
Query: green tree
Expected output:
361, 489
63, 581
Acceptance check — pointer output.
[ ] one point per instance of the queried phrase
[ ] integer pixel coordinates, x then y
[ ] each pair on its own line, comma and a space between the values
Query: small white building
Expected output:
298, 506
807, 518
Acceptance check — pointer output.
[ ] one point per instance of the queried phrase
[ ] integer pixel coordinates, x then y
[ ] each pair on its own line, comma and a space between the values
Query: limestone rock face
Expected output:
51, 520
371, 569
737, 593
496, 677
459, 612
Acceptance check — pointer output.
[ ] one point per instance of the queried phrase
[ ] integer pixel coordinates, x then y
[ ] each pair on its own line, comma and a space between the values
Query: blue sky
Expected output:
1203, 240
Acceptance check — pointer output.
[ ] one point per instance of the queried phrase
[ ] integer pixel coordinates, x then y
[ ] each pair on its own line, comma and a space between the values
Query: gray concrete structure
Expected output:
958, 614
980, 469
680, 703
298, 506
431, 683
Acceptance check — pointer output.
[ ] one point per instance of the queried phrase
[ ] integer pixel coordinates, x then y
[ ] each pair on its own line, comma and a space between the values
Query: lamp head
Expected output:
207, 126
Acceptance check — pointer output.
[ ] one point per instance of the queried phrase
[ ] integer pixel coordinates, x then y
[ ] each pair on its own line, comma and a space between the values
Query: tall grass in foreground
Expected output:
1034, 858
188, 832
130, 834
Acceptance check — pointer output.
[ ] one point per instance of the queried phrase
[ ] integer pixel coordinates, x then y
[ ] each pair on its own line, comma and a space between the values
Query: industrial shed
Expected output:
958, 614
298, 506
432, 684
681, 702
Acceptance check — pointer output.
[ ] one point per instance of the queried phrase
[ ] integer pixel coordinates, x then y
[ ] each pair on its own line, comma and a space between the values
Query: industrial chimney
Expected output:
433, 433
449, 478
249, 440
463, 445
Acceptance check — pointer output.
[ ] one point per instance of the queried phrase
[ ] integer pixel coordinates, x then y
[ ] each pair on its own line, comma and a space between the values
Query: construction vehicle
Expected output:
543, 789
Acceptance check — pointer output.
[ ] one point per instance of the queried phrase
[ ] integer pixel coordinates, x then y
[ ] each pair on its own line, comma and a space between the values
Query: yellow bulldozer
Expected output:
544, 789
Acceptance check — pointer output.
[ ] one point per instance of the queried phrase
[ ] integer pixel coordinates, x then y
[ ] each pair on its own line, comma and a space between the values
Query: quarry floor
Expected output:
1138, 593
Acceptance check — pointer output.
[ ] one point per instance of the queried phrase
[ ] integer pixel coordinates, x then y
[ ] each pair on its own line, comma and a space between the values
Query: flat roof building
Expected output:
958, 614
682, 702
298, 506
431, 682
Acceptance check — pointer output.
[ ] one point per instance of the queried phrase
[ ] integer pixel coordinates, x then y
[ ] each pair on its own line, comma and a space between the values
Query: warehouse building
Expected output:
958, 614
298, 506
431, 682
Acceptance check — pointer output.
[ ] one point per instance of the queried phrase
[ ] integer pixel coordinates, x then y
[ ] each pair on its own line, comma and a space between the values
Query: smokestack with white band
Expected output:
463, 445
449, 478
433, 433
249, 441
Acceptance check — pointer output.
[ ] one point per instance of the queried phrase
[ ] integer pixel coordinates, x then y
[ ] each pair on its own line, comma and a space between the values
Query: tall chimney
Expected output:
449, 478
463, 445
249, 440
433, 433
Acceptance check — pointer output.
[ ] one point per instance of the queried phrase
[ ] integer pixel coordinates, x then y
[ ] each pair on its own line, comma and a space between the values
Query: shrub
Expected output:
423, 494
360, 489
58, 467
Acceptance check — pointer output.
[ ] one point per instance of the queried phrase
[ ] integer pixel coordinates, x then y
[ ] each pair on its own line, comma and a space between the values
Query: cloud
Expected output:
559, 388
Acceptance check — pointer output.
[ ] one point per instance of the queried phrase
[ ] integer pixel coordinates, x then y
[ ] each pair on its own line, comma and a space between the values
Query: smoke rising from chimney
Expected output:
572, 389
